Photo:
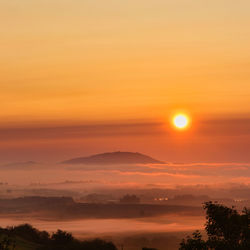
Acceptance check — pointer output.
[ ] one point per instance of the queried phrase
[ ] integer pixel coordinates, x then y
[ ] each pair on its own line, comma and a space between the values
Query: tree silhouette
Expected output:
130, 199
62, 237
29, 233
226, 230
194, 243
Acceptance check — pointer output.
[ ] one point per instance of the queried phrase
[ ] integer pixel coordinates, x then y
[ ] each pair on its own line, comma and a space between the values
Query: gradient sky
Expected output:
112, 63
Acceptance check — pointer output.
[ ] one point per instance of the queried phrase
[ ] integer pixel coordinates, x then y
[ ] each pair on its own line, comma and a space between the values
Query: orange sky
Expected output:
72, 63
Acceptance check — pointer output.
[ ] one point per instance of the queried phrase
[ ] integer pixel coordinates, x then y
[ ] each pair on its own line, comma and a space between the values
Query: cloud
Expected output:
225, 127
82, 131
212, 127
169, 175
208, 140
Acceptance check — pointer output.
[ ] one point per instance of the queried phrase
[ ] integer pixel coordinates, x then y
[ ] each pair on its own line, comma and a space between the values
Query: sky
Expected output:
80, 77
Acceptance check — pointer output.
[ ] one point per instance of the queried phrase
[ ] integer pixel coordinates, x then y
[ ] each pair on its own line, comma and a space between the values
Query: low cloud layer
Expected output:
160, 175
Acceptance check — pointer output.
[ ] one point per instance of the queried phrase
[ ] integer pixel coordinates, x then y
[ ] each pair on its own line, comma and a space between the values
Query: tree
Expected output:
62, 237
225, 228
194, 243
29, 233
130, 199
97, 244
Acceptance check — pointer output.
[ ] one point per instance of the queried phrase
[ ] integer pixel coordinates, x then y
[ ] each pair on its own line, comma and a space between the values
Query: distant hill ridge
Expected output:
114, 158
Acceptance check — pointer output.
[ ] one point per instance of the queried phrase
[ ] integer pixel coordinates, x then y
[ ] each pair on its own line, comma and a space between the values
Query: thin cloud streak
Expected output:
219, 127
207, 140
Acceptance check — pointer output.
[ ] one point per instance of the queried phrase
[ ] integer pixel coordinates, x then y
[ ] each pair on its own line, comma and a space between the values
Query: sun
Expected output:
181, 121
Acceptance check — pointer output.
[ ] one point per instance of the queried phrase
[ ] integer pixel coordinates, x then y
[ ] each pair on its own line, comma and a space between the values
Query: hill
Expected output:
114, 158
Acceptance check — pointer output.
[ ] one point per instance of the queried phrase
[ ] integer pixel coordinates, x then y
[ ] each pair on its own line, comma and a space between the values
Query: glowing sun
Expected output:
181, 121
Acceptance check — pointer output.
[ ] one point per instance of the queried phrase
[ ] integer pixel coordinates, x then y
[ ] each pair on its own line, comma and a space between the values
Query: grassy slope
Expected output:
22, 244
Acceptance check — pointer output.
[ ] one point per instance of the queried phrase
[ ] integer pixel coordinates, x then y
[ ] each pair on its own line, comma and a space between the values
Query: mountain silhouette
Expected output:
114, 158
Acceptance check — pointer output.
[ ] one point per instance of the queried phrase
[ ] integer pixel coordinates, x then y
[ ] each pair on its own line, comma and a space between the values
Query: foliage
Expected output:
62, 237
225, 227
194, 242
26, 237
130, 199
97, 244
29, 233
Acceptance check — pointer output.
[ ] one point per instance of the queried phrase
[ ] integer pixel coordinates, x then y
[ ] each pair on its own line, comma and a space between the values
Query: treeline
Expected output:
42, 240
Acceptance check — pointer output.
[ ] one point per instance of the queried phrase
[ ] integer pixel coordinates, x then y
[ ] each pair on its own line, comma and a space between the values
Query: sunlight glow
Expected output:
181, 121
